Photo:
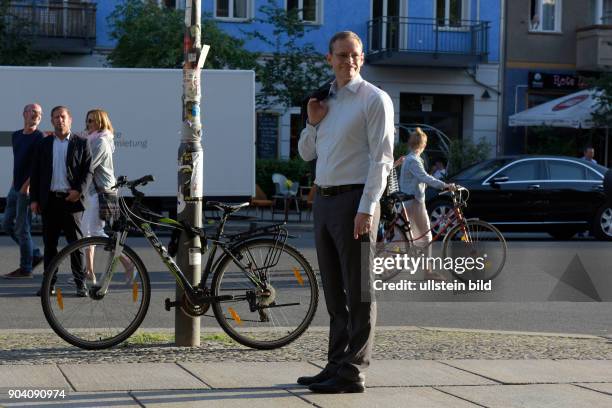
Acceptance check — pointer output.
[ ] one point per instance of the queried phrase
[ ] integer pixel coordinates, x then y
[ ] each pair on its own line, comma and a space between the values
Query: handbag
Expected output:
108, 204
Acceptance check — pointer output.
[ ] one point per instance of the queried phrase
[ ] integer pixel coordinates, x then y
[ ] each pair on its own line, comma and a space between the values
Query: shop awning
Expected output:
570, 111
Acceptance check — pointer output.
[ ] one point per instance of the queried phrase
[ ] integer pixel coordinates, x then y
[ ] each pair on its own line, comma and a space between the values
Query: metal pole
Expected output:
190, 170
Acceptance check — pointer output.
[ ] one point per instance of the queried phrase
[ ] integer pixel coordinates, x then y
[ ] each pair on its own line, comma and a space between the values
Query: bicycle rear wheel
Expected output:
393, 242
480, 241
275, 296
82, 316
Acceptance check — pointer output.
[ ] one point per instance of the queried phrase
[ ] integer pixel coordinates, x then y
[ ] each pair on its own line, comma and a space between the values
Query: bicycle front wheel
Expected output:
275, 294
482, 243
75, 308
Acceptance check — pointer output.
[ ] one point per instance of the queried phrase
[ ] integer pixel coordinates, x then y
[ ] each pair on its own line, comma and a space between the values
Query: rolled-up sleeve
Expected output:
307, 145
381, 133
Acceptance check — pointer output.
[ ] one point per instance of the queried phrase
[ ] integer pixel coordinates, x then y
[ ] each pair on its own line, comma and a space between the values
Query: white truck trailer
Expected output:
145, 108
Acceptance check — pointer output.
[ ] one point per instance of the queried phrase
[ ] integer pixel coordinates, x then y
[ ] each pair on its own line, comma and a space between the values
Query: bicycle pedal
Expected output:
168, 304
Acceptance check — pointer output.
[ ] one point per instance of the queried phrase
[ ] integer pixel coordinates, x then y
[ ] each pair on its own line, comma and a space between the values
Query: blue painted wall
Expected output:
104, 9
354, 15
337, 15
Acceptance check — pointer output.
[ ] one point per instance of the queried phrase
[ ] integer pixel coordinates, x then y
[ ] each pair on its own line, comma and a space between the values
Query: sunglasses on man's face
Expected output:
90, 121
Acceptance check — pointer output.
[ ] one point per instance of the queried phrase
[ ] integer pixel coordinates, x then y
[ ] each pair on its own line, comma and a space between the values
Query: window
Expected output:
545, 15
560, 170
523, 171
235, 9
601, 11
175, 4
452, 12
308, 10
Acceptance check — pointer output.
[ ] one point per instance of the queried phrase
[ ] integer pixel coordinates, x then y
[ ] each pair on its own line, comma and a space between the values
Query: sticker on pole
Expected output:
195, 256
197, 175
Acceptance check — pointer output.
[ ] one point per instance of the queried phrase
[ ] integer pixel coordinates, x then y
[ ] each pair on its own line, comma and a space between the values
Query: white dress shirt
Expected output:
59, 176
353, 144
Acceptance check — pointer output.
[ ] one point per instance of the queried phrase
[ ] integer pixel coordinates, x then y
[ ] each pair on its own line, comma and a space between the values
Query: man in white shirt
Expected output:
351, 135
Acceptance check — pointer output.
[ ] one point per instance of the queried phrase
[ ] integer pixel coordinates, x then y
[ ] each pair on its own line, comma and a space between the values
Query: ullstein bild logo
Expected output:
432, 286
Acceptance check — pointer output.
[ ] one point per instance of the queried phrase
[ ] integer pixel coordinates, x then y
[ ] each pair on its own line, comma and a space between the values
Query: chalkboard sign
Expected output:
267, 135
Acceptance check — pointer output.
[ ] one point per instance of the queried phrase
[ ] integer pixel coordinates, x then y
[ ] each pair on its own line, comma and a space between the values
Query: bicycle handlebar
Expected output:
457, 188
122, 181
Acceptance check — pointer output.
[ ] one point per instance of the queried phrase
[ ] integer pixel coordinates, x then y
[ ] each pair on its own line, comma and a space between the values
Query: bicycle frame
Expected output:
448, 220
133, 215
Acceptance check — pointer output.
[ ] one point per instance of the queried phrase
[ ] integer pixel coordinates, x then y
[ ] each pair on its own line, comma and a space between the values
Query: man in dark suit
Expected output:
60, 174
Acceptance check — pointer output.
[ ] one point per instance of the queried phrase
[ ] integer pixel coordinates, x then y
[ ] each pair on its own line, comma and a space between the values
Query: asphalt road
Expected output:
546, 286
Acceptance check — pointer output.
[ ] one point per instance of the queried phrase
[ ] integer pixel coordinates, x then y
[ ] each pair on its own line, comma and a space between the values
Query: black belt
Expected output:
335, 190
58, 194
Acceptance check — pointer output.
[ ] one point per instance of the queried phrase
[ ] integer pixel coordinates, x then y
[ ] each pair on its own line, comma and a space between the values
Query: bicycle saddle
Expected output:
226, 207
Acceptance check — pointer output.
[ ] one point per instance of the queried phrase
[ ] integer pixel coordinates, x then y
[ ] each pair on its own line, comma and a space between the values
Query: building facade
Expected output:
552, 48
76, 31
439, 60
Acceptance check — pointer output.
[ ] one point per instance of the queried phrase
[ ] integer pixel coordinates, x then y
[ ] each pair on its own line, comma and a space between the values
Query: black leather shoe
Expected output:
338, 385
322, 376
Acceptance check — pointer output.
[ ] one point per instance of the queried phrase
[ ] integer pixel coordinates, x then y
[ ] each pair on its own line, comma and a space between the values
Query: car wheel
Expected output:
602, 225
562, 235
439, 210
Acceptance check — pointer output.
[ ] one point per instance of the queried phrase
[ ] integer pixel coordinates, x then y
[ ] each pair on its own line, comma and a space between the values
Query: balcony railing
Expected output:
410, 41
60, 27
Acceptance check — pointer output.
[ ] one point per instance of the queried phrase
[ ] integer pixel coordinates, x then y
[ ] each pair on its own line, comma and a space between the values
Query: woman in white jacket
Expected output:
414, 180
101, 139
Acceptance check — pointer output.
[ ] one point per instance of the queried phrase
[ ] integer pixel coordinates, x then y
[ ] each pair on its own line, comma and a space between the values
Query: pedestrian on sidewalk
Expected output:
99, 132
17, 220
350, 133
59, 180
413, 181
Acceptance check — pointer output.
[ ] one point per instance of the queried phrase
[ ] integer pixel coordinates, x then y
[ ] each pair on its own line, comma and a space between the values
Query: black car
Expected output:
555, 194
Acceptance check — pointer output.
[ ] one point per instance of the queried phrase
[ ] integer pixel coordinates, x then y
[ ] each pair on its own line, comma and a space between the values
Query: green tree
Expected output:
464, 153
16, 39
293, 68
150, 36
603, 115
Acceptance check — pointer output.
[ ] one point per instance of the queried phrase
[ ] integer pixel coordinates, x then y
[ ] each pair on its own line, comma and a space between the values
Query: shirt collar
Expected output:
67, 139
352, 86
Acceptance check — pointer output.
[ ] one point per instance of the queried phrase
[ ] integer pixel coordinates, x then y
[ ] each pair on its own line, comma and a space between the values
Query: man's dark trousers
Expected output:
346, 284
57, 217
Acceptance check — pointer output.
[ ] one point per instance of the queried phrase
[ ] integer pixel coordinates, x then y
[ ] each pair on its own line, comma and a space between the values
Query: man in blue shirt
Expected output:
17, 215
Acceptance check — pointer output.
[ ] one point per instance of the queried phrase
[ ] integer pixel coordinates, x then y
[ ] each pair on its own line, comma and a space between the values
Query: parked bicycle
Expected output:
263, 292
462, 237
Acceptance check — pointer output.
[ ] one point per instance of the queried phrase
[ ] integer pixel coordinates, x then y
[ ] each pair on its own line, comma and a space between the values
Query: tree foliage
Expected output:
603, 115
150, 36
294, 67
464, 153
16, 37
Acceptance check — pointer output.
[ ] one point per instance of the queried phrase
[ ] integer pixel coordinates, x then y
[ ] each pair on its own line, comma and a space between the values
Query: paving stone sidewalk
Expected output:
405, 343
412, 367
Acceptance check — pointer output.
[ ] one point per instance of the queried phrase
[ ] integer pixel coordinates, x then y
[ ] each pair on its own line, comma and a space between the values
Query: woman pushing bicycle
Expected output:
413, 180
